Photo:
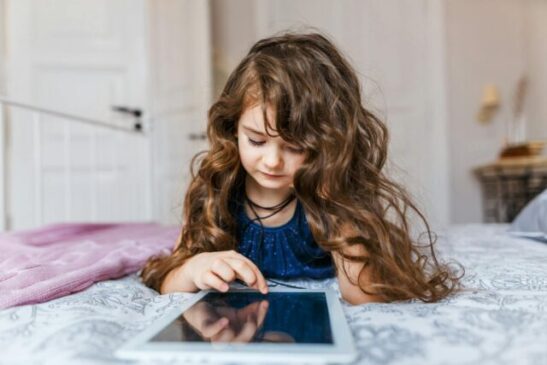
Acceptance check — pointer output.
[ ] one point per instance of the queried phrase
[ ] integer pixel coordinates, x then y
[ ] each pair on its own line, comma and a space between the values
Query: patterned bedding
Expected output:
501, 320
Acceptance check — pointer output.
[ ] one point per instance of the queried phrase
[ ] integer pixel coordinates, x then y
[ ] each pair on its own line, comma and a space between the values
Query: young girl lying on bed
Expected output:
293, 186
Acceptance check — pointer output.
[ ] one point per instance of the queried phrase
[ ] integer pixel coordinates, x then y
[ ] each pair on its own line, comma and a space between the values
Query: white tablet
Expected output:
243, 325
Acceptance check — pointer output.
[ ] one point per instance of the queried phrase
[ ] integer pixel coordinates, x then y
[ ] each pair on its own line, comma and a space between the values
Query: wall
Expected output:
536, 54
3, 220
485, 45
396, 49
2, 47
468, 43
233, 30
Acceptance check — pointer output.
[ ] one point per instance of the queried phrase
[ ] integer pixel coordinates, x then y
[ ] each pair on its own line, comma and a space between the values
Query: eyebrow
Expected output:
253, 130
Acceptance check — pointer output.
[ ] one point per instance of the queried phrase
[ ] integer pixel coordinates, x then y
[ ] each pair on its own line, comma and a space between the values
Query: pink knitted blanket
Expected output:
42, 264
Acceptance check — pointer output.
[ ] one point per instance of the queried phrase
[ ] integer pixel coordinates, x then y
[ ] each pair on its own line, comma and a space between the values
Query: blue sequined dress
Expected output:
285, 252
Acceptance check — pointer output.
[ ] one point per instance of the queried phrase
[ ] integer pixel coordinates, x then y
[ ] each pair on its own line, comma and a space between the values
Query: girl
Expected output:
293, 186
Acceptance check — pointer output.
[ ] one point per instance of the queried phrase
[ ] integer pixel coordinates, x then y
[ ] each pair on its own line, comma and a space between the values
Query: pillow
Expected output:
532, 220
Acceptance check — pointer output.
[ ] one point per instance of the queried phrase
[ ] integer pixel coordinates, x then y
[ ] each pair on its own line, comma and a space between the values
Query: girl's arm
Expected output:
349, 288
348, 283
178, 281
175, 280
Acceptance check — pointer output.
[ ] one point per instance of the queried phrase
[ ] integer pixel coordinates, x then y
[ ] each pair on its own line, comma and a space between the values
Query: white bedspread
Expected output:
503, 321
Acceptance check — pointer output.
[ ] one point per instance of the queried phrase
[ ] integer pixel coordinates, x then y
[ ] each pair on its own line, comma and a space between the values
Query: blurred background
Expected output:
104, 102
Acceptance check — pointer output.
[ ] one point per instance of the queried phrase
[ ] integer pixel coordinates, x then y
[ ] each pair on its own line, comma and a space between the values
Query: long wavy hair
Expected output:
342, 183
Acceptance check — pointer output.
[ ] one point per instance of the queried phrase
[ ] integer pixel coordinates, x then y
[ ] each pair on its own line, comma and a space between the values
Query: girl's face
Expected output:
270, 161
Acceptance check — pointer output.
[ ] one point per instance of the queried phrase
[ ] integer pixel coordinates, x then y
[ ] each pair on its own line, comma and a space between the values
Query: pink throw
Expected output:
46, 263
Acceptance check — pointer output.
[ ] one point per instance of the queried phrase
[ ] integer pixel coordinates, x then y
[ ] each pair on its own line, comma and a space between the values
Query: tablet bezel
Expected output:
341, 350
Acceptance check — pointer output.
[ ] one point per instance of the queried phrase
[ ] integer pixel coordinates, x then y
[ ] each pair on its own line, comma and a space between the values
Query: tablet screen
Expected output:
287, 317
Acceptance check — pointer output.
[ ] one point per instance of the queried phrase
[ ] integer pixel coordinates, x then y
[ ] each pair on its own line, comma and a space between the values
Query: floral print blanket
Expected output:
500, 319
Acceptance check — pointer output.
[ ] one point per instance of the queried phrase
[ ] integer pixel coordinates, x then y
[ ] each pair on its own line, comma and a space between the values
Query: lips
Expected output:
272, 176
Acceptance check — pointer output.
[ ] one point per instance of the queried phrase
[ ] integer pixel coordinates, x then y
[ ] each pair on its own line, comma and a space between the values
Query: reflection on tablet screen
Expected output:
300, 318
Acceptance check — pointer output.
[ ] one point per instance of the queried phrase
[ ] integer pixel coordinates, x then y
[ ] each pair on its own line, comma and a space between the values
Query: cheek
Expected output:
296, 162
246, 155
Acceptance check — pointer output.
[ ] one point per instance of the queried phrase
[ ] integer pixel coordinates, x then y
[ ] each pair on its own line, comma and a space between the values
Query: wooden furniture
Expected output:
509, 184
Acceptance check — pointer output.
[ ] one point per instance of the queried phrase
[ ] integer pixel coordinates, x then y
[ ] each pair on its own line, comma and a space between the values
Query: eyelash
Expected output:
260, 143
255, 143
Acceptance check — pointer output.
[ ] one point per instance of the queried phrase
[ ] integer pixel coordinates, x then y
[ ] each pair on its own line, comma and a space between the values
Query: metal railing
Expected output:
37, 116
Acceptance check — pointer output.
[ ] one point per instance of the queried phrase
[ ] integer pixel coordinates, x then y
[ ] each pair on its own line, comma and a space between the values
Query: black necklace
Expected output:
274, 209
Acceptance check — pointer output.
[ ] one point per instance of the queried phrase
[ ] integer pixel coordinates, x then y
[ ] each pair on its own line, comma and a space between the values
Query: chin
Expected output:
271, 184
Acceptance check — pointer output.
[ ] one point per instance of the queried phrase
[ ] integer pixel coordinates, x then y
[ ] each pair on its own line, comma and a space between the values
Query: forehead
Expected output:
253, 118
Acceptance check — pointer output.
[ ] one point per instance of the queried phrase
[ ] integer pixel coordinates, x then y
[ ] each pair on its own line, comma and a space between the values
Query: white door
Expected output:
85, 57
181, 86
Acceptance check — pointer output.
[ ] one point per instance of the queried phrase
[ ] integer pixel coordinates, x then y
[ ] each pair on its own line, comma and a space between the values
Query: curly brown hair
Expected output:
316, 95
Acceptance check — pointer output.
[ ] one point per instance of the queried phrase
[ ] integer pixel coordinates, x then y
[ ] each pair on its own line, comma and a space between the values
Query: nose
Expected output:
273, 160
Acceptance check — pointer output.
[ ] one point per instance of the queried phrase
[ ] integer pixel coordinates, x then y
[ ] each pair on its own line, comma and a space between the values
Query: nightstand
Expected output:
509, 184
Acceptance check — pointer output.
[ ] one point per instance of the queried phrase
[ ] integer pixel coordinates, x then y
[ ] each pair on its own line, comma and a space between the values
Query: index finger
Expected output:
245, 271
260, 280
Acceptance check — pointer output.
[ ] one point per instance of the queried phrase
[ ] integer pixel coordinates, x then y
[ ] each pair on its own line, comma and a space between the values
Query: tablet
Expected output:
243, 325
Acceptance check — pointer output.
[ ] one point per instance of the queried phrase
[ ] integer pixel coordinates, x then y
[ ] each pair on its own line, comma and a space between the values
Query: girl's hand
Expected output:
215, 270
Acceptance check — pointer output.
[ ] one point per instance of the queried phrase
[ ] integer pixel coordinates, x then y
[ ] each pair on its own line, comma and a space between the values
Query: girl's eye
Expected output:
292, 149
256, 143
295, 149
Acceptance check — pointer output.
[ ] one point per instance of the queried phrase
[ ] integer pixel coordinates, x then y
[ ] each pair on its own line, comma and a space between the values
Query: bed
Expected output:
501, 319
